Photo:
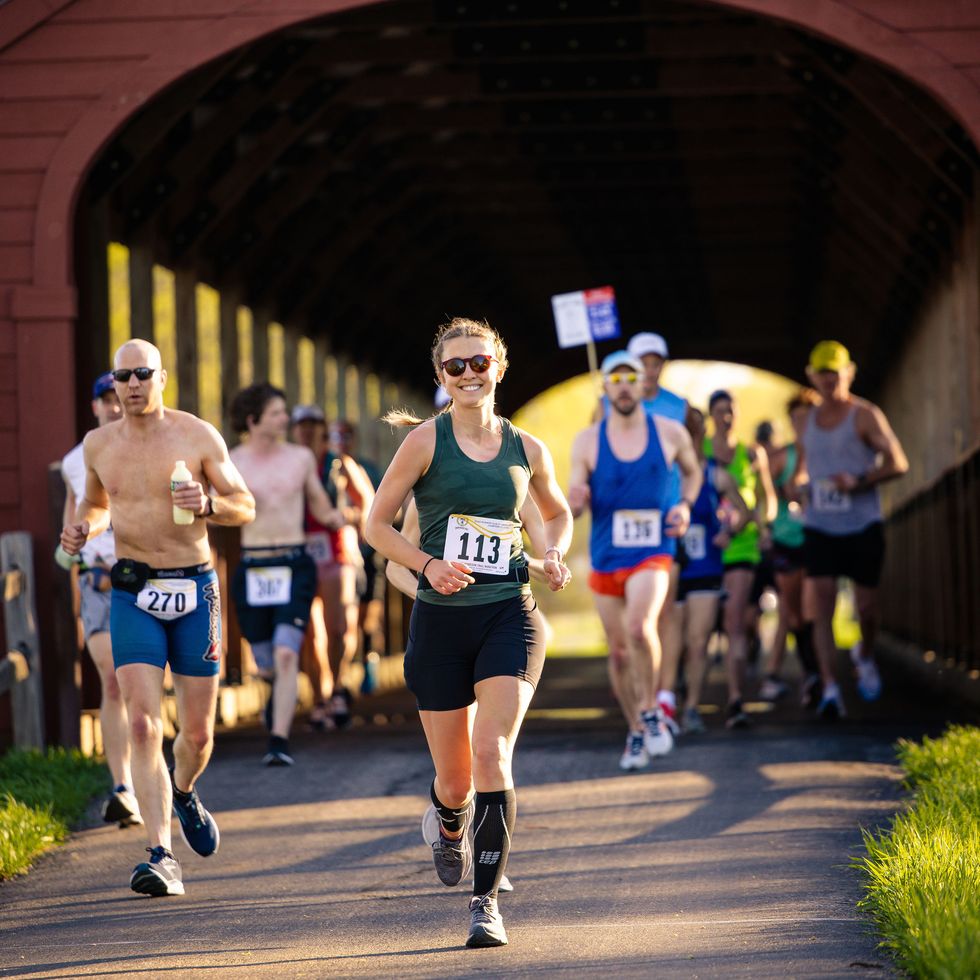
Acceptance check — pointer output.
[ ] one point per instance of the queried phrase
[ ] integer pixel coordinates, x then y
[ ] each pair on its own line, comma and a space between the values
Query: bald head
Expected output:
137, 353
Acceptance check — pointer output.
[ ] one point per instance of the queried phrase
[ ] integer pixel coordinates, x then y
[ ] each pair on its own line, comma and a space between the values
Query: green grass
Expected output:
923, 873
41, 796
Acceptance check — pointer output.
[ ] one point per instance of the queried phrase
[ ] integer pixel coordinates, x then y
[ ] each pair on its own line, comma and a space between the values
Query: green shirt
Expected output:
454, 484
744, 546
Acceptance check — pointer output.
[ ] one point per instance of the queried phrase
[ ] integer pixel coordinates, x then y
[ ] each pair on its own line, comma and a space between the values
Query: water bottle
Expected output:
181, 474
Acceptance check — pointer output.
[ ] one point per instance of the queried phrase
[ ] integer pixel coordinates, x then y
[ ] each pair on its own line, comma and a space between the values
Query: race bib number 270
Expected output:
168, 598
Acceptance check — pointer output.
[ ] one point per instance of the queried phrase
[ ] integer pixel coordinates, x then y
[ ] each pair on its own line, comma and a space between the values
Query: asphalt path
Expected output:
728, 858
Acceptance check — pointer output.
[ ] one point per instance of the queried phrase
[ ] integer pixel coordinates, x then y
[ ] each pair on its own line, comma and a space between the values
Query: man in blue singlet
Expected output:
848, 448
621, 469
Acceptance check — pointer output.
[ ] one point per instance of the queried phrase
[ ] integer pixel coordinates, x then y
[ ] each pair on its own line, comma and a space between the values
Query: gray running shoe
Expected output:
486, 925
693, 722
505, 885
453, 858
158, 876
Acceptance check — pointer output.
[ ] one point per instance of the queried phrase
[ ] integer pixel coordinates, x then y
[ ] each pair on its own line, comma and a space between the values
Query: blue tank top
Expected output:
629, 503
703, 556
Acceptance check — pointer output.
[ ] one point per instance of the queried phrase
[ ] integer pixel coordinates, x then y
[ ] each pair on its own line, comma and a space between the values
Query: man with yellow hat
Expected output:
848, 449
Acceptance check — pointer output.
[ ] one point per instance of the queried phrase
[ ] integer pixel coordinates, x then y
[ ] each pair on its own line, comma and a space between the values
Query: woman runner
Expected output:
475, 649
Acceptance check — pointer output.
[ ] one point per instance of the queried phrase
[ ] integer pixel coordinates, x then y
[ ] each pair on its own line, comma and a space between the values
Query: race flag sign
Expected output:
586, 316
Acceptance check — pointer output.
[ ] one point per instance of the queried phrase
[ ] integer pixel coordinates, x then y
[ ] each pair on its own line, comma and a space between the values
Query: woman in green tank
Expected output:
749, 467
476, 642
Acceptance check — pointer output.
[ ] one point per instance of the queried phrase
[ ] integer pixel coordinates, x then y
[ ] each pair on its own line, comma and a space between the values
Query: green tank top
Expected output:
744, 547
787, 529
456, 487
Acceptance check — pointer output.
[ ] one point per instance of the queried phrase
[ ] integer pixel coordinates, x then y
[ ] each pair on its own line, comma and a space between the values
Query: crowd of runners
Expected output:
685, 528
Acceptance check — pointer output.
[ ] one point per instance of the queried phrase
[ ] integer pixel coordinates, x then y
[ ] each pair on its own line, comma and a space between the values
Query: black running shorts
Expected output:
452, 648
258, 619
858, 557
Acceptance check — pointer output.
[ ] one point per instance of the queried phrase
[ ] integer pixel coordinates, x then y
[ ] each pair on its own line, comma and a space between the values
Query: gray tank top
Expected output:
838, 450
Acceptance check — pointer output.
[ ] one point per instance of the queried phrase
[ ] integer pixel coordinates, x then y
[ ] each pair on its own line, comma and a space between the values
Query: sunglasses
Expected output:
480, 363
122, 375
615, 379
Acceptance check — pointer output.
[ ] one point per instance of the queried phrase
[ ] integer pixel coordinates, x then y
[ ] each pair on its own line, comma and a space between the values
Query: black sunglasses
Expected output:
122, 375
455, 366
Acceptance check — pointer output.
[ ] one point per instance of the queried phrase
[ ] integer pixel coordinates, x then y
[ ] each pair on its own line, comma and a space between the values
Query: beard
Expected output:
625, 406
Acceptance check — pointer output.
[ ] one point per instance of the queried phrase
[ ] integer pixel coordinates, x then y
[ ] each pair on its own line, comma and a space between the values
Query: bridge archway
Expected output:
751, 175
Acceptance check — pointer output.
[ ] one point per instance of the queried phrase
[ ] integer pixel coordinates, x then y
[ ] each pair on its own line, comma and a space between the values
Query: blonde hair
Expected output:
457, 327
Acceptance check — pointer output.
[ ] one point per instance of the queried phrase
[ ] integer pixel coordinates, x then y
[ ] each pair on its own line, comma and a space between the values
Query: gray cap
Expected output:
307, 413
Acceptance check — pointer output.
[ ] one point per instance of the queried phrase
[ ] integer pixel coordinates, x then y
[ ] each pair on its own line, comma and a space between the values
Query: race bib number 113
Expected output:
482, 543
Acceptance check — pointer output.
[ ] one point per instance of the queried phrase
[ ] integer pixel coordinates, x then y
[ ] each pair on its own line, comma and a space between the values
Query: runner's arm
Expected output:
399, 576
316, 497
873, 427
555, 513
409, 463
91, 515
679, 516
579, 493
359, 486
765, 491
231, 504
725, 485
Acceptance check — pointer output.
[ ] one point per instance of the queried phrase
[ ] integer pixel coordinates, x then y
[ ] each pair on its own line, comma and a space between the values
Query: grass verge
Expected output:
41, 796
923, 873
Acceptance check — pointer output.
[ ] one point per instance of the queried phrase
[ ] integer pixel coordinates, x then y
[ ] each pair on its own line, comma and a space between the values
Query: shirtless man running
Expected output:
275, 584
165, 602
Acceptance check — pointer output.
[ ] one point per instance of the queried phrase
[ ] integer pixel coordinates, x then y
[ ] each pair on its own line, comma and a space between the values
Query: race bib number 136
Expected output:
636, 529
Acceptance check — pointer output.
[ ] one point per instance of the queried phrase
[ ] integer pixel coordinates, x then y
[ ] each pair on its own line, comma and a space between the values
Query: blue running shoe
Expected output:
158, 876
197, 826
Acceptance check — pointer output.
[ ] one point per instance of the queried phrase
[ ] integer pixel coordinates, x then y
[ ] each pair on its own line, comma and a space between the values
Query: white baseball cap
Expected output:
647, 343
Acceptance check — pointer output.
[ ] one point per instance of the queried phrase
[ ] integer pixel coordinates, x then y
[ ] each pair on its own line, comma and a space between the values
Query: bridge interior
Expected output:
748, 188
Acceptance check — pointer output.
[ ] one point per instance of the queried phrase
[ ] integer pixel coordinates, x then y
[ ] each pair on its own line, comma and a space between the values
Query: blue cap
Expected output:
621, 358
103, 383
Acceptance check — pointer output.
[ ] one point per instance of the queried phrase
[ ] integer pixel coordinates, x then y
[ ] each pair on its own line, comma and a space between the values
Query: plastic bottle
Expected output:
181, 474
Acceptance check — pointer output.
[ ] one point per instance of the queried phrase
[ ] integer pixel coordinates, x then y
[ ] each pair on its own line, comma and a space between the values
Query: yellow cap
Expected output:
829, 355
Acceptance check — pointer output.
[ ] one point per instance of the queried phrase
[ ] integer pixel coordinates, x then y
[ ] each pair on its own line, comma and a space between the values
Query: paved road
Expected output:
729, 858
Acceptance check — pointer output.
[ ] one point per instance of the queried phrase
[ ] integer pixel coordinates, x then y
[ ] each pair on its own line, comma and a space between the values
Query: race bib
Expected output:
318, 547
482, 543
268, 586
694, 542
828, 499
168, 598
636, 529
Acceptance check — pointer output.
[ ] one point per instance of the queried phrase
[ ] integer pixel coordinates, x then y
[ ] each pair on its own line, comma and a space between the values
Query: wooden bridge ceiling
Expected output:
746, 188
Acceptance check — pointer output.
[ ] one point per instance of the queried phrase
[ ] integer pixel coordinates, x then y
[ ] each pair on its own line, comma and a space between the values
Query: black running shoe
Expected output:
197, 826
486, 925
340, 707
737, 718
158, 876
121, 808
278, 754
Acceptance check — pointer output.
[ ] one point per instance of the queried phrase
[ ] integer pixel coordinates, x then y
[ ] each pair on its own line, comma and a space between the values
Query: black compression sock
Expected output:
451, 820
493, 826
804, 648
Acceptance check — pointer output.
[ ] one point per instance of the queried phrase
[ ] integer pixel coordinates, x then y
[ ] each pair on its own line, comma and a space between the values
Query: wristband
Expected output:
210, 509
557, 551
684, 500
426, 565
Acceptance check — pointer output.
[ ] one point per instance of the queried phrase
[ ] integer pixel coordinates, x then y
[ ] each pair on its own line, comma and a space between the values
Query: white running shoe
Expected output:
868, 678
635, 756
656, 735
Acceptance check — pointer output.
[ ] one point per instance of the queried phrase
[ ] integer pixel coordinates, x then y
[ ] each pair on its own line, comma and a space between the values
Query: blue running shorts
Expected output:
174, 617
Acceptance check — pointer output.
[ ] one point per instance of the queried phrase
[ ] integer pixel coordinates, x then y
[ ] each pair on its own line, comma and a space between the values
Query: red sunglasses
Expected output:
480, 363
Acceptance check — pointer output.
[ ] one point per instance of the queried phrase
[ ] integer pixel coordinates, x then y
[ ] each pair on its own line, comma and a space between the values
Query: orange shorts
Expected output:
614, 583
